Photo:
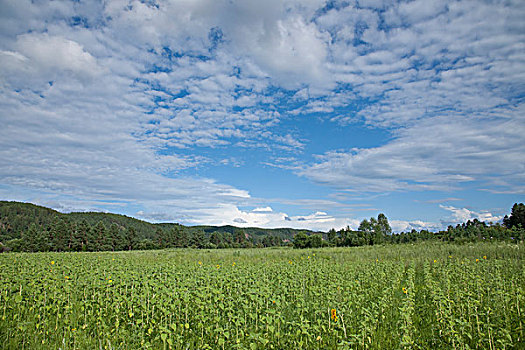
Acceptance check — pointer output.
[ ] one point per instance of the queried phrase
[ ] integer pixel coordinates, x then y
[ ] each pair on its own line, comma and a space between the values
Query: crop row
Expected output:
420, 297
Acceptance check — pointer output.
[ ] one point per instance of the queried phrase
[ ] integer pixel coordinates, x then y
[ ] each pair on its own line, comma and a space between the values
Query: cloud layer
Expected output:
114, 101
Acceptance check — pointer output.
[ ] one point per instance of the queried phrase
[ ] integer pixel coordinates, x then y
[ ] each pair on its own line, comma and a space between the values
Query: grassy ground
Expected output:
423, 296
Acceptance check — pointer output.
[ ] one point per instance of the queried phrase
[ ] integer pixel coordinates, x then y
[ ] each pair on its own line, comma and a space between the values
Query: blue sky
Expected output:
305, 114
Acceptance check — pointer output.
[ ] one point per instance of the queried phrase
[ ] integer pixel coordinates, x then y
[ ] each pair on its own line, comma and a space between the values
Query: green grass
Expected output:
423, 296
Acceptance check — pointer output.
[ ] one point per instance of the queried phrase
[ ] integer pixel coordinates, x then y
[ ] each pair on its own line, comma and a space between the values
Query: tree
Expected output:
300, 240
315, 241
29, 239
82, 237
375, 231
60, 235
227, 240
216, 238
41, 243
179, 236
381, 229
517, 216
365, 226
331, 235
75, 243
382, 226
162, 238
102, 243
198, 239
239, 236
114, 236
130, 238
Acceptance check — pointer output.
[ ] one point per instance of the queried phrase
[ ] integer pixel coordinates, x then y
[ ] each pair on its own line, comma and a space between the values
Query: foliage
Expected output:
422, 296
517, 217
378, 231
31, 228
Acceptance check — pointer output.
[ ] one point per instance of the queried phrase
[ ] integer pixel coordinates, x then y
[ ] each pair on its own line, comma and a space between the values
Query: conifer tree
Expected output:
60, 235
114, 237
28, 239
42, 244
130, 238
198, 240
101, 239
517, 216
162, 238
180, 237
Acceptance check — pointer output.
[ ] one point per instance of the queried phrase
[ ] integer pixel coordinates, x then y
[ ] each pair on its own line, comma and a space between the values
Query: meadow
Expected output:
422, 296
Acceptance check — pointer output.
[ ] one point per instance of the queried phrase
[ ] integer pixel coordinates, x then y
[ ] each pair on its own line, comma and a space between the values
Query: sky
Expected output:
302, 113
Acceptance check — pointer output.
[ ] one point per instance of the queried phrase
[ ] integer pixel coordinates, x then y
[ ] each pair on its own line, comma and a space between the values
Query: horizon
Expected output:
289, 114
219, 226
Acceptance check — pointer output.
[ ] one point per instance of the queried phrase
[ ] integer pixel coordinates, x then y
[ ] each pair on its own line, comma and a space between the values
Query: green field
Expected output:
423, 296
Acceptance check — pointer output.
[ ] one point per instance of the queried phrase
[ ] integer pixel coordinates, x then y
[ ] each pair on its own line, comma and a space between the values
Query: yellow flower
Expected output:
66, 277
435, 261
333, 315
318, 338
218, 266
290, 262
404, 290
200, 262
308, 256
484, 257
477, 260
53, 262
273, 301
73, 329
233, 263
110, 281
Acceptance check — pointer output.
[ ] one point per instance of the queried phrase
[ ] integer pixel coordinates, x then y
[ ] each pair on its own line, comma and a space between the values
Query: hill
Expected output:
95, 230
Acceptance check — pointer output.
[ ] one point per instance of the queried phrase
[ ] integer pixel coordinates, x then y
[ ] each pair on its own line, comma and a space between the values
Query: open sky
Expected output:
303, 113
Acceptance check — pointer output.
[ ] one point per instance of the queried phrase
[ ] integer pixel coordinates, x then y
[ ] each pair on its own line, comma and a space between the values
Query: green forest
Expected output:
32, 228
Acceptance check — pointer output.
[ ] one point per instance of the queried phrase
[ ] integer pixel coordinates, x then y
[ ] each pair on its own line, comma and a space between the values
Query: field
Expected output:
423, 296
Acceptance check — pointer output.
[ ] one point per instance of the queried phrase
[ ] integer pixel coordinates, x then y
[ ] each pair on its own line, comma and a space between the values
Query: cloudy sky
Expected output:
301, 113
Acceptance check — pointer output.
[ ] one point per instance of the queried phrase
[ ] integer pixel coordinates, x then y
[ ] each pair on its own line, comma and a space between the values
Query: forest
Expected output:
31, 228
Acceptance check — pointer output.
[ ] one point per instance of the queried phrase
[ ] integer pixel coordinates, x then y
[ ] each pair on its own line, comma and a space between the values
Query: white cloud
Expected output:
436, 154
230, 214
418, 225
112, 99
262, 210
39, 57
461, 215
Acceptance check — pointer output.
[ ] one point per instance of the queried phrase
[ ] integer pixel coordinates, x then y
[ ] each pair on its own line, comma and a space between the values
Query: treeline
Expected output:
31, 228
378, 231
370, 232
66, 236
